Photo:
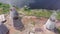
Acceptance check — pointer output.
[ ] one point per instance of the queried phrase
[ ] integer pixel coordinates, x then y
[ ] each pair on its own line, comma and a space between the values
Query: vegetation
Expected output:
58, 30
35, 12
4, 8
58, 16
33, 23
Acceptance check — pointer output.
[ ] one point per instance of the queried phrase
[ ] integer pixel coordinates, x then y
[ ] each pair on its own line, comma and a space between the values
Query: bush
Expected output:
58, 16
5, 8
36, 12
58, 30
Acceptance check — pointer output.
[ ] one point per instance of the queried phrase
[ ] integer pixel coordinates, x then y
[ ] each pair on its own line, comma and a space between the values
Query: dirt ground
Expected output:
26, 21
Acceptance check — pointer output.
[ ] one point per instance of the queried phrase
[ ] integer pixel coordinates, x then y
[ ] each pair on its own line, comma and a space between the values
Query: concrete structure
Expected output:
50, 24
13, 13
3, 29
2, 18
16, 20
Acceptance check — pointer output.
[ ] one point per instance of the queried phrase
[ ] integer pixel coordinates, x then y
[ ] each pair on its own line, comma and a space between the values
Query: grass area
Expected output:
36, 12
58, 30
58, 16
39, 13
4, 8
